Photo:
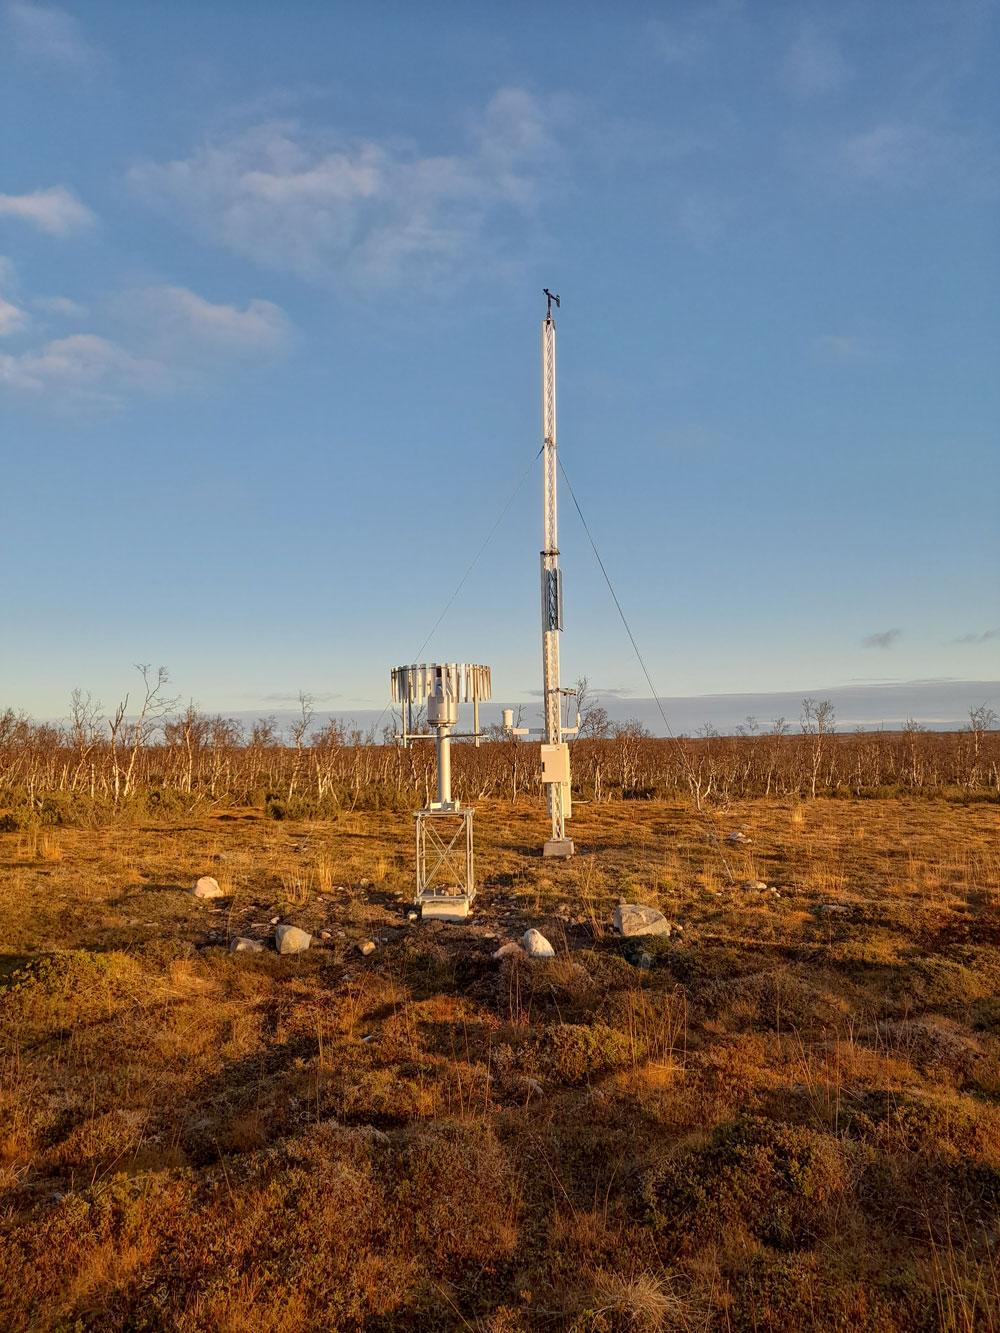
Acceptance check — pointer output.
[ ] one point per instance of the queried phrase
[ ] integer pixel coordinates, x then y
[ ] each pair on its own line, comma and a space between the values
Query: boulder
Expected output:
207, 887
636, 919
243, 944
535, 945
509, 950
290, 939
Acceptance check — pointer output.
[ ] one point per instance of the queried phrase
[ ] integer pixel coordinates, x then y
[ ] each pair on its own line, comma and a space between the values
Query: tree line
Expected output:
148, 754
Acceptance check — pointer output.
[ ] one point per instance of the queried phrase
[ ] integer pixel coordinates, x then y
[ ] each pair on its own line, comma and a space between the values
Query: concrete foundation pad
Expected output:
445, 909
562, 847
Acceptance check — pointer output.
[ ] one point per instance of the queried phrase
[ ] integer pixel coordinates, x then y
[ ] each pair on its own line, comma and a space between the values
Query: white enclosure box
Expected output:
555, 763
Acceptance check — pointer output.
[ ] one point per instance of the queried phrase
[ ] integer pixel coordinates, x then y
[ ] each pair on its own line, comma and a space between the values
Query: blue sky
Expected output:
269, 305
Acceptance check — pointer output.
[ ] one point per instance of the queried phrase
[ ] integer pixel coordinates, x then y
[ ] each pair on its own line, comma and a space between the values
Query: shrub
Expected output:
777, 1183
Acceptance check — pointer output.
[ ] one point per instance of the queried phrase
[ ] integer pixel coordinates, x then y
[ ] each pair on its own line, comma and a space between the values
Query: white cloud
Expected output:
180, 321
361, 211
892, 154
12, 318
48, 33
814, 64
84, 367
60, 305
57, 210
155, 340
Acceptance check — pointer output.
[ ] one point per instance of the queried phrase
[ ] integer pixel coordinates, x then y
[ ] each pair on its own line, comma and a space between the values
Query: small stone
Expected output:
833, 907
535, 945
325, 935
636, 919
368, 947
243, 944
753, 886
509, 950
207, 887
411, 916
275, 920
737, 837
290, 939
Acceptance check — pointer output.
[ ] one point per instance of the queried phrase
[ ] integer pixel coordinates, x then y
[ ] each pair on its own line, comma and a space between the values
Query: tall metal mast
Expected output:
555, 752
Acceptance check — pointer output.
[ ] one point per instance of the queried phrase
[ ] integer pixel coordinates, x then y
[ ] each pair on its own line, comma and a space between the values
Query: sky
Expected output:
270, 295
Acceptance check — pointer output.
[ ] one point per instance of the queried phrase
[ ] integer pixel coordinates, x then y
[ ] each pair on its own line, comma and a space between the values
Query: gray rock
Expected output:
243, 944
737, 837
207, 887
535, 945
509, 950
753, 886
635, 919
366, 947
290, 939
833, 907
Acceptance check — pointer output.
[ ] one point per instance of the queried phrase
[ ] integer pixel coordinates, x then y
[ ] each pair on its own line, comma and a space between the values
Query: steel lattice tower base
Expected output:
446, 881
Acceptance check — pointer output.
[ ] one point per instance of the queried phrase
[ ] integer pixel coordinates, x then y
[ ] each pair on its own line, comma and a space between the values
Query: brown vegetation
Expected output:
155, 760
785, 1117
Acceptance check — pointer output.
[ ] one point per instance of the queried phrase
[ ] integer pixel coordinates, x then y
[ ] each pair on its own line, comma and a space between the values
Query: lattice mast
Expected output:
555, 753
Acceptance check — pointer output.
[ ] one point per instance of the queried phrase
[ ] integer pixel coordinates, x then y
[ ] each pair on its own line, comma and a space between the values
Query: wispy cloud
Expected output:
814, 64
62, 306
84, 367
690, 34
677, 43
884, 639
898, 155
849, 348
56, 210
12, 317
703, 217
48, 33
152, 341
984, 636
362, 211
179, 323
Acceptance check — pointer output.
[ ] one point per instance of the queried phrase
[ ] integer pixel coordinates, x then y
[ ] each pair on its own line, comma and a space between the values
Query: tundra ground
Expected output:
786, 1116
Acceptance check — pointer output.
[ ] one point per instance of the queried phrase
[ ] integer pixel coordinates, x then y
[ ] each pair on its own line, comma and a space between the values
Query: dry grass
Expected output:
789, 1119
